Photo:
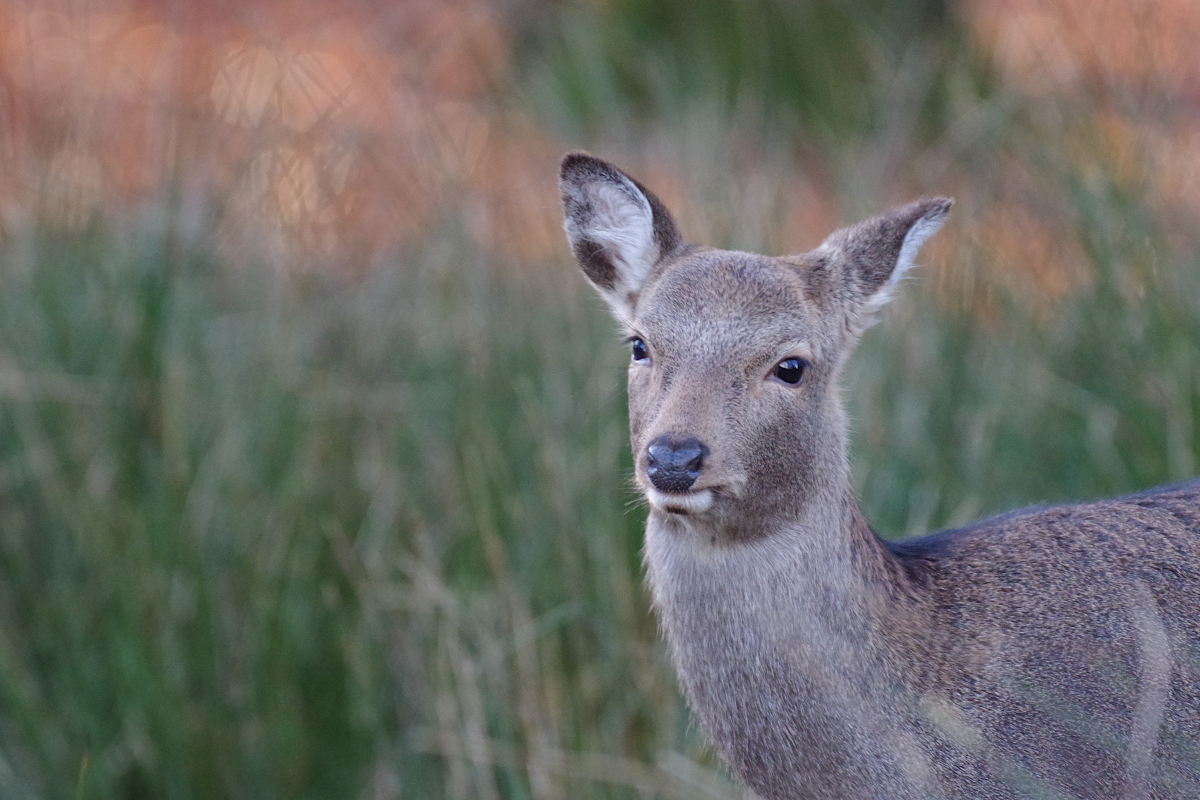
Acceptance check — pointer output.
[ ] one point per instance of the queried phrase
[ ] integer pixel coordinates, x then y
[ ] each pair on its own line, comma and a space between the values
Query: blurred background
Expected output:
314, 470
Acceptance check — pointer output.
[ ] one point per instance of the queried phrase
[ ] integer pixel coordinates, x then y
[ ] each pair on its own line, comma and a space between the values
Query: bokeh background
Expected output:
313, 456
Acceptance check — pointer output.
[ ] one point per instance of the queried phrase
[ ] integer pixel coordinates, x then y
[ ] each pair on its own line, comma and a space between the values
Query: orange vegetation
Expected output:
320, 131
314, 132
1120, 84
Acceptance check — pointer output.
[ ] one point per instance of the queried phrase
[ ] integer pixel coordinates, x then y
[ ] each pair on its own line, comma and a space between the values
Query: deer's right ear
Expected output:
616, 228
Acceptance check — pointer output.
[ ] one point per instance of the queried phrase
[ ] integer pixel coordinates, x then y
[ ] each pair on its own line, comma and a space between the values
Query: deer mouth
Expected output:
696, 501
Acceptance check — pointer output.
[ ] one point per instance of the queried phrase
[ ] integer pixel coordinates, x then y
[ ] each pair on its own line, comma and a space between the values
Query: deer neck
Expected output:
820, 594
822, 568
801, 620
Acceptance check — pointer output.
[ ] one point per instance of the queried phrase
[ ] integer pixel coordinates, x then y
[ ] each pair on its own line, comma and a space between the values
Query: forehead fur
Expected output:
717, 281
741, 294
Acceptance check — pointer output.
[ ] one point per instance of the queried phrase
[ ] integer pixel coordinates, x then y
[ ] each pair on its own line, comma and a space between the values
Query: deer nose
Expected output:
673, 464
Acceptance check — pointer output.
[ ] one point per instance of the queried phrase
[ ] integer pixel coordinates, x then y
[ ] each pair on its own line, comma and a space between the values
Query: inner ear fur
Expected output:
870, 259
618, 230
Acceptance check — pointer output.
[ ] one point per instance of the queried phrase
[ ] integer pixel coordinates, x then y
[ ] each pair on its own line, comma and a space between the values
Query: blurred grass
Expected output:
958, 415
818, 66
306, 536
293, 538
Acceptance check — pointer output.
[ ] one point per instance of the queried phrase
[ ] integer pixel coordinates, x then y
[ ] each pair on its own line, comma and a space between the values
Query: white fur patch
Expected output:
624, 225
689, 503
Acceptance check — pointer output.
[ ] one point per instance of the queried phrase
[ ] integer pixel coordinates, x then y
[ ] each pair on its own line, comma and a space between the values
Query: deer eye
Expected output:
790, 370
641, 353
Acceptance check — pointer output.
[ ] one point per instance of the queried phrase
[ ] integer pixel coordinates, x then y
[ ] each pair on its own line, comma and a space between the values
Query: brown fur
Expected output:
1050, 652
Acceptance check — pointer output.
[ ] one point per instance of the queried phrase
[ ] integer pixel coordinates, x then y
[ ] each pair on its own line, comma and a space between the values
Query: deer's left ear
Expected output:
617, 229
871, 258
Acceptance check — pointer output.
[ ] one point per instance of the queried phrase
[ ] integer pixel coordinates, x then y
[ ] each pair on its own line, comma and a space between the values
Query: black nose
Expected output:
673, 464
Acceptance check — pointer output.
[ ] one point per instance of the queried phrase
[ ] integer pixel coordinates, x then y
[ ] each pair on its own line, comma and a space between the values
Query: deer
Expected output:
1049, 652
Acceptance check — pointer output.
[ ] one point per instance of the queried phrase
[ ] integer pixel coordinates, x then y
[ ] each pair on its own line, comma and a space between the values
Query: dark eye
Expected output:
790, 370
640, 351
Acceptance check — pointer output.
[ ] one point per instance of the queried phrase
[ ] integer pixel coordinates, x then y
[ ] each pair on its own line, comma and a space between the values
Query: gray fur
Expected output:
1049, 652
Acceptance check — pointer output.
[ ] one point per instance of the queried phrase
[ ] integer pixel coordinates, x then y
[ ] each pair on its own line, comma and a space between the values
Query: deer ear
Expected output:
616, 228
873, 256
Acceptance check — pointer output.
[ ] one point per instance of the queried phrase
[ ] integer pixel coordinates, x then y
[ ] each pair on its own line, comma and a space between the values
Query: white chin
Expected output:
689, 503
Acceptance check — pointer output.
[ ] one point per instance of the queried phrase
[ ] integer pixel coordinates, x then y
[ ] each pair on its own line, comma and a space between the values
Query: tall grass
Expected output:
1090, 394
314, 538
